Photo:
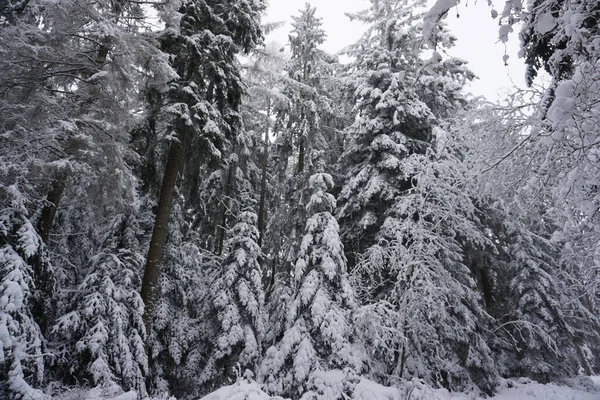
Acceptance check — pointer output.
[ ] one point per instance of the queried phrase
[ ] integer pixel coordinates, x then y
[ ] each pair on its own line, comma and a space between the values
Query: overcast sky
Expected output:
476, 31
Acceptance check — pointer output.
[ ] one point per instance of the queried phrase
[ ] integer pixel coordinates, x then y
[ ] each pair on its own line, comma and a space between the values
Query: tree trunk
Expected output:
159, 233
51, 205
221, 228
301, 156
263, 181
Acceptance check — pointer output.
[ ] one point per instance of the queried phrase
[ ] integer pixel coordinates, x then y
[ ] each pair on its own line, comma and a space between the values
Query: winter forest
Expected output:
183, 207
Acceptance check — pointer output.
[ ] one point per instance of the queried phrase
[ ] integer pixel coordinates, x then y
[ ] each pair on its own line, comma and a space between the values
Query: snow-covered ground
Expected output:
519, 389
583, 388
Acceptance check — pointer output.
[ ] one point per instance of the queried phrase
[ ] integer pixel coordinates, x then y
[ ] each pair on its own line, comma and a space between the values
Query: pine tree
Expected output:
392, 130
405, 214
300, 149
237, 295
238, 299
418, 266
204, 101
300, 142
182, 332
26, 287
101, 329
318, 327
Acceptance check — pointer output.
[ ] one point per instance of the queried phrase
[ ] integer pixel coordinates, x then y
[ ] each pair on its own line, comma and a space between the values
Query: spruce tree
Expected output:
101, 330
392, 129
318, 335
26, 288
238, 299
203, 102
405, 213
182, 333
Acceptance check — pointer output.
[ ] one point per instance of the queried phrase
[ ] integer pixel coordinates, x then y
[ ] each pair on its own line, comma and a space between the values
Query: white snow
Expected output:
545, 23
240, 390
512, 389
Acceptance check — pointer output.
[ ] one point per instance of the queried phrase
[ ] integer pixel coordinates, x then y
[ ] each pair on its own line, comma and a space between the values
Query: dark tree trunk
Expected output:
301, 156
221, 228
263, 180
51, 205
159, 233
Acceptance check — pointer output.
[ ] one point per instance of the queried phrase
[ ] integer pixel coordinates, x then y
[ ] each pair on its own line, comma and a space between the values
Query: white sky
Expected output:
476, 31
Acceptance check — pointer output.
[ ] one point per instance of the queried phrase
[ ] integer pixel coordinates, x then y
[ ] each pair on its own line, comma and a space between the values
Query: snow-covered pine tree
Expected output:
182, 330
405, 213
393, 126
419, 295
191, 350
237, 295
299, 150
203, 102
101, 333
26, 288
263, 76
299, 134
238, 298
318, 335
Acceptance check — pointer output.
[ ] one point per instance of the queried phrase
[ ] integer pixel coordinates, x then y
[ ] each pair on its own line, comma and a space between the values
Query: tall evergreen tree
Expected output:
102, 327
26, 286
204, 101
404, 211
299, 140
182, 333
318, 325
393, 127
238, 300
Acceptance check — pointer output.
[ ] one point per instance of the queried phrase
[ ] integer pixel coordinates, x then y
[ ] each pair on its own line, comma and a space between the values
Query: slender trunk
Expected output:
159, 233
263, 194
301, 156
221, 228
51, 205
263, 181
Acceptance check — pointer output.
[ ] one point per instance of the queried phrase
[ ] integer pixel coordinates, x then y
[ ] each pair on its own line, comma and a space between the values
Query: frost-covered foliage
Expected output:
393, 90
181, 332
318, 335
563, 38
102, 327
238, 300
407, 213
544, 326
423, 315
566, 42
26, 284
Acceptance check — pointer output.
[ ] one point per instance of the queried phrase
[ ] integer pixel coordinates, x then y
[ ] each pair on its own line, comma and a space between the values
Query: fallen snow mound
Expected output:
240, 390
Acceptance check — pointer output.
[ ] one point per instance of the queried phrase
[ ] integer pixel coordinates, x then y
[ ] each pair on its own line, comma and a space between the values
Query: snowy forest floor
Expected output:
513, 389
582, 388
